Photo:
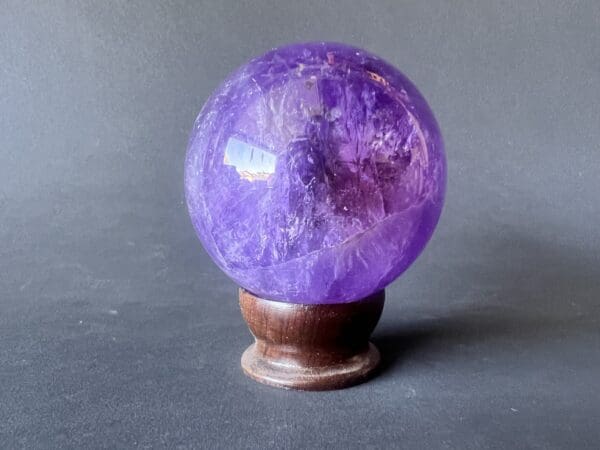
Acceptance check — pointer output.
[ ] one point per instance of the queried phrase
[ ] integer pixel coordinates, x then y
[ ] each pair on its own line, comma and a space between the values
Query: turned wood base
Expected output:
310, 347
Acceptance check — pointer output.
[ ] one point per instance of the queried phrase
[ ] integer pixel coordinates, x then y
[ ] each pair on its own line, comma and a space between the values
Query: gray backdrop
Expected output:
116, 330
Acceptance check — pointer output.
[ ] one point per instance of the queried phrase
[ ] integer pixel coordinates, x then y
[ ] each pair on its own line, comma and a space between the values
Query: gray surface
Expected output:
116, 330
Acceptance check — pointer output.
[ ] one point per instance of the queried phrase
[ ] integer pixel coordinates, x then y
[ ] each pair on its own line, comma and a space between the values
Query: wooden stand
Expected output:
310, 347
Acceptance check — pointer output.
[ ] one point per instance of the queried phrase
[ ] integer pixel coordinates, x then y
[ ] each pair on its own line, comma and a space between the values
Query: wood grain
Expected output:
310, 347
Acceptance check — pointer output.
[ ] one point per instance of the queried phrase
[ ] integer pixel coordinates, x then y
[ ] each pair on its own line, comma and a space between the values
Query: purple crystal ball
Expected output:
315, 174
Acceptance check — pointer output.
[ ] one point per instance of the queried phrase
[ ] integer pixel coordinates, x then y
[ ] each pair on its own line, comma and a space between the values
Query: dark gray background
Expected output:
116, 330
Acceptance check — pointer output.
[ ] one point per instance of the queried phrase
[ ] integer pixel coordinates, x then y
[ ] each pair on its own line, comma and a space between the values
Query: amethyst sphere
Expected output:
315, 174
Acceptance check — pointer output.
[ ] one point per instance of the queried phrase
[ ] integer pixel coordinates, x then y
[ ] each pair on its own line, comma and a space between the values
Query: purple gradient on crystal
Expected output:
315, 174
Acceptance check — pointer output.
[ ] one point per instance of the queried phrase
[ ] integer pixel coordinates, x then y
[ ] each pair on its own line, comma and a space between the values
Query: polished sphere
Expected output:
315, 174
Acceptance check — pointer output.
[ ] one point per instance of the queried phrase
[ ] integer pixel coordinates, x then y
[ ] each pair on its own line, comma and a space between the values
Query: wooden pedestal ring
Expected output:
311, 347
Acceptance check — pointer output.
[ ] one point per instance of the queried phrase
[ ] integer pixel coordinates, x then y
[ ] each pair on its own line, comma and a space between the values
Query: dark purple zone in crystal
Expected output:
315, 174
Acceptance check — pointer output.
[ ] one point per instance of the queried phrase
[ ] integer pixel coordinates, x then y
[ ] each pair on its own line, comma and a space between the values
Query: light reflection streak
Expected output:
252, 163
